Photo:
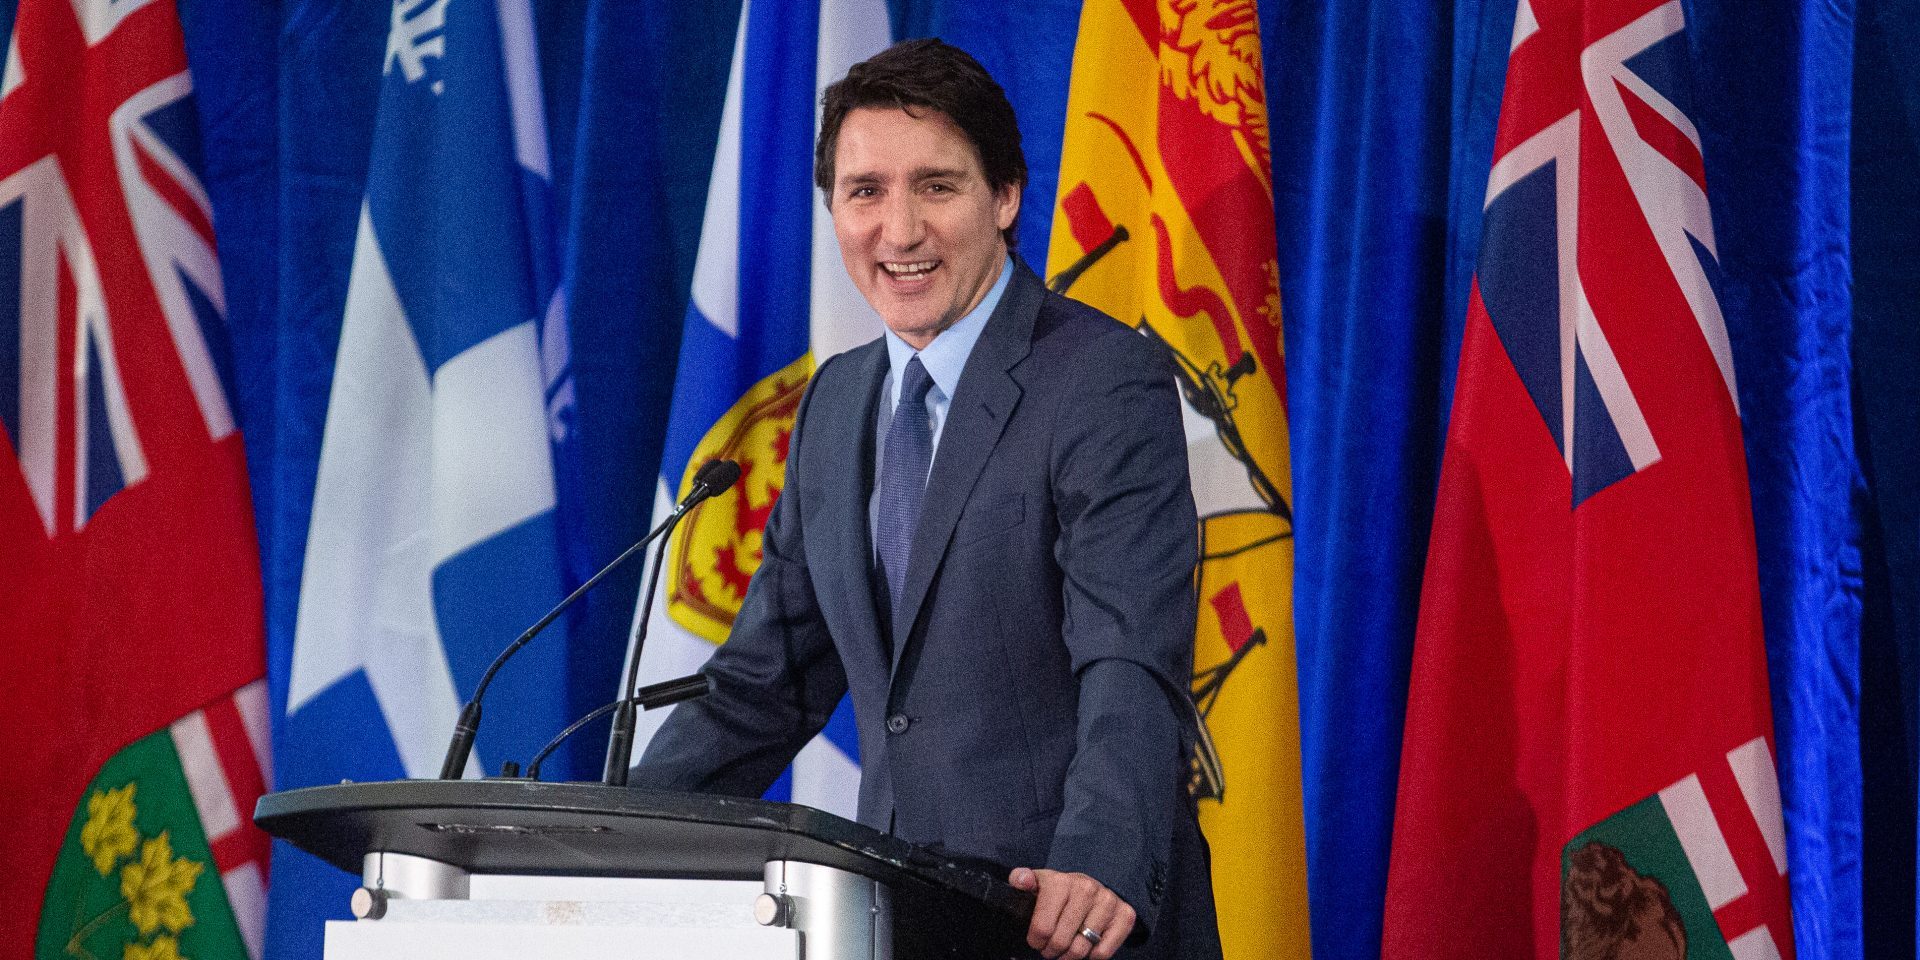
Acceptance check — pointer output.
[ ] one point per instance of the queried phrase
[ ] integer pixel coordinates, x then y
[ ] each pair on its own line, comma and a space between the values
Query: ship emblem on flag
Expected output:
1165, 221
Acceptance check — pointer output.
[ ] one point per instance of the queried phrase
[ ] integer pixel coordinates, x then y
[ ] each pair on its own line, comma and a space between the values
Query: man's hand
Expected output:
1067, 903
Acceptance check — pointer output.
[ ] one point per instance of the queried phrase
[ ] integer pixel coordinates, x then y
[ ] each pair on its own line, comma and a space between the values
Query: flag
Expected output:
1165, 221
434, 536
133, 652
1589, 754
770, 297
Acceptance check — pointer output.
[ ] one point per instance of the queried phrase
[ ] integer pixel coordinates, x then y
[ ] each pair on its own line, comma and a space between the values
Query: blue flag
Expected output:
434, 535
769, 298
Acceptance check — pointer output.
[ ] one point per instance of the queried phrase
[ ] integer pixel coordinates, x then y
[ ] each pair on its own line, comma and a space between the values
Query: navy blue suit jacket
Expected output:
1025, 704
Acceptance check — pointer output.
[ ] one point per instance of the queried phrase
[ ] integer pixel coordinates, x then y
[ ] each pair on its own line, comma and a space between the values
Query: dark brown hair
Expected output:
927, 74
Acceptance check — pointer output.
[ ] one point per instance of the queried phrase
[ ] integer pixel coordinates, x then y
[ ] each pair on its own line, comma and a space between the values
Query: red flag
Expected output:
1588, 760
133, 720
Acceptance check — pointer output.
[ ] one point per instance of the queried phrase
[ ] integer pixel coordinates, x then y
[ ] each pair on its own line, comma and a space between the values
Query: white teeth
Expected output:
909, 271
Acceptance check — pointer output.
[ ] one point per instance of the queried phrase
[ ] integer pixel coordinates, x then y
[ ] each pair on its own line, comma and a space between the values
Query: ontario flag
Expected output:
1166, 221
1588, 763
132, 650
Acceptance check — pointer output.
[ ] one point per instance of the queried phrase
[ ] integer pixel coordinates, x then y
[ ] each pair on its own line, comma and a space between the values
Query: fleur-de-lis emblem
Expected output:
418, 32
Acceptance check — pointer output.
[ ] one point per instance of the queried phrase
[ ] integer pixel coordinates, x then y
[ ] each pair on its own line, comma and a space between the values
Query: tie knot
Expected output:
914, 382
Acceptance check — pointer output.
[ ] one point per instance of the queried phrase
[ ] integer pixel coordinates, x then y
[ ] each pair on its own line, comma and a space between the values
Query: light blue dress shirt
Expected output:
944, 359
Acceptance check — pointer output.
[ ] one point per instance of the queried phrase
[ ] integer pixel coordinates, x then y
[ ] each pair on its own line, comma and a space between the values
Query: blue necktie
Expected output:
903, 476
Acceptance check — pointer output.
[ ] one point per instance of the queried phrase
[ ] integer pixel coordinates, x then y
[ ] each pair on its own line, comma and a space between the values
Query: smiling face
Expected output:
919, 227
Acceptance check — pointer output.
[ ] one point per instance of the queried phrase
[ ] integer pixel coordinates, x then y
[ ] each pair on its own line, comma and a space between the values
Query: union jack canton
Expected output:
106, 250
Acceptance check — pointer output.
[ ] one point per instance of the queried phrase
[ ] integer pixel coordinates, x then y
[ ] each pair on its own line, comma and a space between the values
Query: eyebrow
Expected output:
920, 174
935, 173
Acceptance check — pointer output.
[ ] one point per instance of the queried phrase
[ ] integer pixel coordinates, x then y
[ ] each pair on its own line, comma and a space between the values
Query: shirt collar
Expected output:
947, 355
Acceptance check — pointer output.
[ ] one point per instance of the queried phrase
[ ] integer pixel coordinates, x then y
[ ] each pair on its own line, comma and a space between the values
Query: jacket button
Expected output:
898, 723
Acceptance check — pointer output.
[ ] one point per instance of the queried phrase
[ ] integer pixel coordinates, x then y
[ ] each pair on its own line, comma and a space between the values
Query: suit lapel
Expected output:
982, 402
848, 563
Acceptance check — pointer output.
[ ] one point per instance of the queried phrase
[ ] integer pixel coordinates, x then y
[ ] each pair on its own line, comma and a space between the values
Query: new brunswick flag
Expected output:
1588, 765
1166, 221
133, 717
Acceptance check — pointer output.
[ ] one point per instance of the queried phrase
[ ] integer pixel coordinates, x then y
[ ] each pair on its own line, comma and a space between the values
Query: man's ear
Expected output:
1007, 205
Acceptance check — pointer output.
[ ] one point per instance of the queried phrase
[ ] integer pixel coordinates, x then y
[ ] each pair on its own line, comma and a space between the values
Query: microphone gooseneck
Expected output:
713, 477
650, 697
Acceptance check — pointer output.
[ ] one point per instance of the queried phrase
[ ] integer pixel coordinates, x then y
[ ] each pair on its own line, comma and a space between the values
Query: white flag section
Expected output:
766, 232
433, 536
850, 31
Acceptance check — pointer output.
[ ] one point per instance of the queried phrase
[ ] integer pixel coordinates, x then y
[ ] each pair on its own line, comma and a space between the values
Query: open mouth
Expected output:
909, 271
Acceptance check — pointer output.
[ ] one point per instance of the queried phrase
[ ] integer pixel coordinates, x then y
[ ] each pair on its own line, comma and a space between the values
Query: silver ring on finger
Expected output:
1092, 935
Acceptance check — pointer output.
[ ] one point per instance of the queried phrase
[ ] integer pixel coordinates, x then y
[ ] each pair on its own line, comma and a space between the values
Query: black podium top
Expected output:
590, 829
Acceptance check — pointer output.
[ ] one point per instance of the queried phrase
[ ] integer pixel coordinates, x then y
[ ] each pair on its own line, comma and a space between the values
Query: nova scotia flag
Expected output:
434, 537
770, 298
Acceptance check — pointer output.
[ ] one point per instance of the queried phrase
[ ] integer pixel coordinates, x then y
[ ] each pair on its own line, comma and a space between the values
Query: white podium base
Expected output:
517, 930
415, 909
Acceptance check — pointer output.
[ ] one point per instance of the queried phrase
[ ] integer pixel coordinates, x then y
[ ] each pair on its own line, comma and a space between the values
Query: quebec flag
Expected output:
434, 538
770, 297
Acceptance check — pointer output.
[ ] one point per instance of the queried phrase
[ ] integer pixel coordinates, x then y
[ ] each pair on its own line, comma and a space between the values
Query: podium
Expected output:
478, 869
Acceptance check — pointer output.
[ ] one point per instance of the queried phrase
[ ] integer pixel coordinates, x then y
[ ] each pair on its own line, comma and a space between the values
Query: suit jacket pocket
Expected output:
1016, 841
990, 519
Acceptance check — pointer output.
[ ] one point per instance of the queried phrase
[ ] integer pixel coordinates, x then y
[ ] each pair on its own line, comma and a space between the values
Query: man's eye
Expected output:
861, 192
939, 188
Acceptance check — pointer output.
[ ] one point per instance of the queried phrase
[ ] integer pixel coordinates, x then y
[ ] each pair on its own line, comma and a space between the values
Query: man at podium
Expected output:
986, 537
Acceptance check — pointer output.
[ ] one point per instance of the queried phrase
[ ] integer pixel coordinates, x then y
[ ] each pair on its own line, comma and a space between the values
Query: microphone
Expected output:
712, 477
650, 697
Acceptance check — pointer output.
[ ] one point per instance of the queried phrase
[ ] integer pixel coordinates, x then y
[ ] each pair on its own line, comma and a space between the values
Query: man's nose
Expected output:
901, 226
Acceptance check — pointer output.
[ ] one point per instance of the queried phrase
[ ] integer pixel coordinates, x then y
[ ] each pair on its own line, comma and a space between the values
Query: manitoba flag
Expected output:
130, 615
1588, 769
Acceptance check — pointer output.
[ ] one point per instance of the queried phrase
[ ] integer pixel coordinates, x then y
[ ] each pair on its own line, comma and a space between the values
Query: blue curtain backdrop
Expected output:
1382, 115
1362, 134
1775, 133
1886, 339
